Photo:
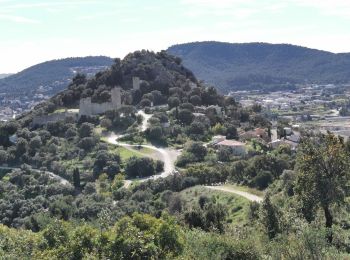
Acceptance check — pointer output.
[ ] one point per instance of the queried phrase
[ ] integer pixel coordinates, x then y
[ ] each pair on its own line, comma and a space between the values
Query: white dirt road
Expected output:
167, 155
244, 194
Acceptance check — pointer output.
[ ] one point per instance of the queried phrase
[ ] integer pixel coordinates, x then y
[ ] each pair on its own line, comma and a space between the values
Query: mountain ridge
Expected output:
237, 66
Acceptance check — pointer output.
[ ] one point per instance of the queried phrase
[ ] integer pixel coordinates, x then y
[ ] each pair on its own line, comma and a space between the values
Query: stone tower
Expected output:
136, 83
85, 107
116, 97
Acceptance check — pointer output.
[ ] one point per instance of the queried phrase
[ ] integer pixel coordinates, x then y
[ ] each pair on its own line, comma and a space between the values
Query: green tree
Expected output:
322, 176
197, 149
106, 123
35, 144
224, 154
185, 116
173, 102
85, 130
219, 129
196, 100
231, 132
3, 156
269, 217
76, 178
118, 182
55, 235
155, 132
141, 167
21, 147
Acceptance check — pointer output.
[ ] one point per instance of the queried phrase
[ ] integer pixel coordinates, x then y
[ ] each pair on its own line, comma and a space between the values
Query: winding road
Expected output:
167, 155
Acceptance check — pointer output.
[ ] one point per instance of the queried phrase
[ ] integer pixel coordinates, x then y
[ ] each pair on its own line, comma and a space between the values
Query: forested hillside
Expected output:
54, 74
4, 75
260, 65
99, 186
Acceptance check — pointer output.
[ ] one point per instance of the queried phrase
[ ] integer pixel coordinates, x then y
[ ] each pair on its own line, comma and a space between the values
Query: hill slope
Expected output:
2, 76
260, 65
52, 75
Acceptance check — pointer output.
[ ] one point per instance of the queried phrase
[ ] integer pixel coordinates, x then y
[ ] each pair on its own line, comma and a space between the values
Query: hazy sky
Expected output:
32, 31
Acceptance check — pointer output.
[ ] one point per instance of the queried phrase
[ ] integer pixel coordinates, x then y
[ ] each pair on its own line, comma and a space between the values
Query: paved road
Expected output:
244, 194
52, 175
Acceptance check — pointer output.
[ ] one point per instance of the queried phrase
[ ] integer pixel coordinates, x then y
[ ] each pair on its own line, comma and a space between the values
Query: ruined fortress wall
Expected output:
116, 96
97, 109
44, 119
136, 83
87, 108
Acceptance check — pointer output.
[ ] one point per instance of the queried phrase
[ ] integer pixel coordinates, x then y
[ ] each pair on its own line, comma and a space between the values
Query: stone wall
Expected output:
44, 119
87, 108
136, 83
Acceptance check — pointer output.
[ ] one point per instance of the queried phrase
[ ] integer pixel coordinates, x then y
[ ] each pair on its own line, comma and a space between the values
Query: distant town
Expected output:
314, 107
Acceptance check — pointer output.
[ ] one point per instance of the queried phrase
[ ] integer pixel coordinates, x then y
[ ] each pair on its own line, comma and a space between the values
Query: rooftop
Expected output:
231, 143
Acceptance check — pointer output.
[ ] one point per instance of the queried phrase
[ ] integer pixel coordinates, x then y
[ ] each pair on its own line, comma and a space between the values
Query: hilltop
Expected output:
160, 73
238, 66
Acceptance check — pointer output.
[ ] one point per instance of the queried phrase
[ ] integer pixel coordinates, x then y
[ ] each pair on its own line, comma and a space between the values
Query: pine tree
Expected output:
76, 178
269, 217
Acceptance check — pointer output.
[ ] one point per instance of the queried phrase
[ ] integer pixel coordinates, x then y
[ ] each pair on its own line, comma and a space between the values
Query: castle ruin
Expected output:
136, 82
87, 108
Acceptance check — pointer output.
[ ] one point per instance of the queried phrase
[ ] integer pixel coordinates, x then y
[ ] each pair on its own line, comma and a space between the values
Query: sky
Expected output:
34, 31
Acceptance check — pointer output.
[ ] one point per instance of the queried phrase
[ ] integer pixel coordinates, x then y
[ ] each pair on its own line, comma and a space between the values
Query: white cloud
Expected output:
94, 16
214, 3
17, 19
327, 7
49, 4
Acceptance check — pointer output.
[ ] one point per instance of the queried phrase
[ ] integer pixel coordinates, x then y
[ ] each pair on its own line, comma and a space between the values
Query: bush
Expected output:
87, 143
85, 130
159, 166
197, 149
139, 167
262, 180
202, 245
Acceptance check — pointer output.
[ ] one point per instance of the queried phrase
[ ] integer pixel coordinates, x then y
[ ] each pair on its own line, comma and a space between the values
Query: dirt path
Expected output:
146, 117
167, 155
247, 195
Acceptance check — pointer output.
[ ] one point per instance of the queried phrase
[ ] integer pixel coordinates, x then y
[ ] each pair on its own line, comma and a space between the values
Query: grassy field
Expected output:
126, 153
237, 207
